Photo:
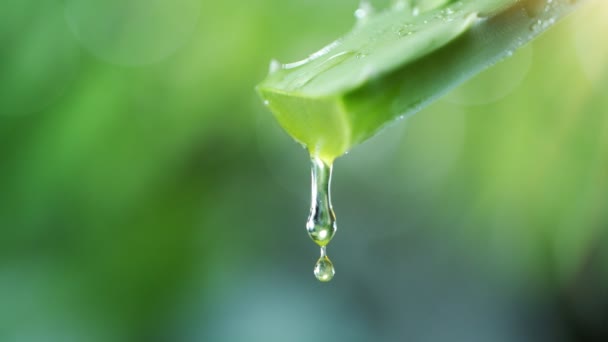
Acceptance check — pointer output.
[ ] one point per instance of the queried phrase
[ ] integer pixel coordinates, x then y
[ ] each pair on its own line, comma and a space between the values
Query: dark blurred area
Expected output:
147, 195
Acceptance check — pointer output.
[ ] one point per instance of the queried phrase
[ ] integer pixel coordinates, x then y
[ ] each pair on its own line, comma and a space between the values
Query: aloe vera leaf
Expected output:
394, 63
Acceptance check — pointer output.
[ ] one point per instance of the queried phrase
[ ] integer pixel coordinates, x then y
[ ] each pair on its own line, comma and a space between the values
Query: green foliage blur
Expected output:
147, 195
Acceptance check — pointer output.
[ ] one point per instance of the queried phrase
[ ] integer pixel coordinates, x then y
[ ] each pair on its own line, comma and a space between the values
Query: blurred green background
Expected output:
147, 195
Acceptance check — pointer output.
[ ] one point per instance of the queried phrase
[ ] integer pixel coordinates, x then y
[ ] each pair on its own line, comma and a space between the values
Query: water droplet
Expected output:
405, 32
364, 11
536, 8
266, 103
415, 11
439, 16
536, 25
324, 269
321, 224
274, 66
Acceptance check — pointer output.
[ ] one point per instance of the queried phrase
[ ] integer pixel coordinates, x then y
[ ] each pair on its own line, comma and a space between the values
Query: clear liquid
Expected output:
324, 269
321, 224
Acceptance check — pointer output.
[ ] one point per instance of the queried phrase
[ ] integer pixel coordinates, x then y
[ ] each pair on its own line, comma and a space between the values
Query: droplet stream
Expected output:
321, 224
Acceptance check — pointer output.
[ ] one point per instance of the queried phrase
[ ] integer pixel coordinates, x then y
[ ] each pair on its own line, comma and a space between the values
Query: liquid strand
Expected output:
321, 224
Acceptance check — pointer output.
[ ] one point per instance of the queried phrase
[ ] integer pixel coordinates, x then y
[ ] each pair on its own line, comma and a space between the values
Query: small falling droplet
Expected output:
364, 11
324, 270
274, 66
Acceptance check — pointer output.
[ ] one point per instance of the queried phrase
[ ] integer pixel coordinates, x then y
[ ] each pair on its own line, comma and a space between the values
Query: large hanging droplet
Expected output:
321, 224
324, 269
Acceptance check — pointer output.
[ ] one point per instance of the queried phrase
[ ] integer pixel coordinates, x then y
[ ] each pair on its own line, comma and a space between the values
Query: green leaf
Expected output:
395, 62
